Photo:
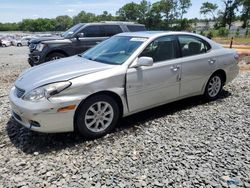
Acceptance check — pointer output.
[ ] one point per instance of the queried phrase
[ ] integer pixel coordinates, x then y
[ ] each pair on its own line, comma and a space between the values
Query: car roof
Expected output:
149, 34
114, 23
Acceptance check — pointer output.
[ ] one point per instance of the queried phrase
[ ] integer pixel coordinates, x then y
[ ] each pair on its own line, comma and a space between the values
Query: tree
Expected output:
208, 9
128, 12
63, 23
105, 16
245, 17
168, 10
228, 15
184, 5
143, 11
154, 19
84, 17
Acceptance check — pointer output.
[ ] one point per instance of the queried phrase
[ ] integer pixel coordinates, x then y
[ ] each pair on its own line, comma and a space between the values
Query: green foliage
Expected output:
40, 24
160, 15
211, 34
128, 12
237, 32
223, 32
9, 26
228, 15
245, 17
63, 23
208, 9
84, 17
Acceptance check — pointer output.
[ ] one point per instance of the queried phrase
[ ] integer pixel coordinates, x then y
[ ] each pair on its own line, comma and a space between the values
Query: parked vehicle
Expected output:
22, 41
5, 43
76, 40
123, 75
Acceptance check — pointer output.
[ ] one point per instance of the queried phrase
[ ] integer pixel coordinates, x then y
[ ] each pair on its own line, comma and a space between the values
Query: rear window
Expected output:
111, 30
136, 28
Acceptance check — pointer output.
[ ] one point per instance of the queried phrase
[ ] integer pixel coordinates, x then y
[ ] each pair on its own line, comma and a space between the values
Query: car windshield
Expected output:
71, 31
115, 50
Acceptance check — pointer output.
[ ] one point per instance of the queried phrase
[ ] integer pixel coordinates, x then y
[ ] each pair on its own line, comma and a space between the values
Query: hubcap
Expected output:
214, 86
99, 116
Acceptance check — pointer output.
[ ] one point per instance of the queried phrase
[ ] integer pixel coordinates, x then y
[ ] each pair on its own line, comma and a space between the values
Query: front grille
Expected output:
19, 92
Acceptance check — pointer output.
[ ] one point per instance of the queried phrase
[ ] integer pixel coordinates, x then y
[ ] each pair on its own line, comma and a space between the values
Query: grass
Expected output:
236, 41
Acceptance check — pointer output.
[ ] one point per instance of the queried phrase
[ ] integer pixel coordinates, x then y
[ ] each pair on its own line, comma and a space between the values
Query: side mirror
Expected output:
144, 61
79, 35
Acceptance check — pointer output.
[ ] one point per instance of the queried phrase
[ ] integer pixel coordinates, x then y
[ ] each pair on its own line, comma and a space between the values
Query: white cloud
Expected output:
70, 10
35, 15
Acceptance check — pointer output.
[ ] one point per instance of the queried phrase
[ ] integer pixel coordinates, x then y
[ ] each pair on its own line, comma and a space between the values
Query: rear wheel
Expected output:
54, 56
4, 45
97, 116
19, 44
214, 87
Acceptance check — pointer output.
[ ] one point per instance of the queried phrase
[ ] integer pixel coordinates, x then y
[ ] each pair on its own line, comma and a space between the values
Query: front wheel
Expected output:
97, 116
55, 56
213, 87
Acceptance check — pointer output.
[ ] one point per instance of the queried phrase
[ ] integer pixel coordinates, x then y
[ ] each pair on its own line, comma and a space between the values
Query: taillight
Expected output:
237, 57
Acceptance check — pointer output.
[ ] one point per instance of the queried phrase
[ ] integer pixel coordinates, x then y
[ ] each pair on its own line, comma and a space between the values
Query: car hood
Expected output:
58, 70
42, 39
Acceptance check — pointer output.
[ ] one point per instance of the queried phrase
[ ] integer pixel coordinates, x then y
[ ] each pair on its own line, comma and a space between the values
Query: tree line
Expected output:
161, 15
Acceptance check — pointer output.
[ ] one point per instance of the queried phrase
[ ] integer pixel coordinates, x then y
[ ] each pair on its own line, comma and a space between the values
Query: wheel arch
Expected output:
220, 72
57, 51
114, 95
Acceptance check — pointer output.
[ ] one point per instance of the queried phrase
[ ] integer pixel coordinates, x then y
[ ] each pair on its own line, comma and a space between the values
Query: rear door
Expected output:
93, 34
111, 30
149, 86
133, 28
197, 64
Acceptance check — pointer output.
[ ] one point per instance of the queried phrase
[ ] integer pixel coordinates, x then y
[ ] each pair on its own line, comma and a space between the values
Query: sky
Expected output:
16, 10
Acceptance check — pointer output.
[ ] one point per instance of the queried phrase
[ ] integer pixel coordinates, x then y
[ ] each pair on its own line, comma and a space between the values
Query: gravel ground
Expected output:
190, 143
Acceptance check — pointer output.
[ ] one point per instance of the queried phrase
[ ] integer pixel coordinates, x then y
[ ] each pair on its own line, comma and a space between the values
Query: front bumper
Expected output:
36, 58
42, 116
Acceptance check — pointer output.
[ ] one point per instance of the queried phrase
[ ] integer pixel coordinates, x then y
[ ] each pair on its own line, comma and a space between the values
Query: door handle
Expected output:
211, 61
175, 68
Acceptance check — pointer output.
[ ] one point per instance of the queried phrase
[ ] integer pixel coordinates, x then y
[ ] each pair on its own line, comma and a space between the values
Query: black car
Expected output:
76, 40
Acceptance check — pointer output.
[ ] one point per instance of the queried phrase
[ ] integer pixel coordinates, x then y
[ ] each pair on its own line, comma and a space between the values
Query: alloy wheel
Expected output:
214, 86
99, 116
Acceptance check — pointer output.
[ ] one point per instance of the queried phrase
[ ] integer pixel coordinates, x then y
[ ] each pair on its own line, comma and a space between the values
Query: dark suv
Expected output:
76, 40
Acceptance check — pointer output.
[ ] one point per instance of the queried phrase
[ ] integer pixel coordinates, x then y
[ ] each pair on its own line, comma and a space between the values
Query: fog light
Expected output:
34, 124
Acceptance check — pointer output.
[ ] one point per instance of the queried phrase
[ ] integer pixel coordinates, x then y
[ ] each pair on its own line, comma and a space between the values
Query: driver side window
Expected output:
161, 49
92, 31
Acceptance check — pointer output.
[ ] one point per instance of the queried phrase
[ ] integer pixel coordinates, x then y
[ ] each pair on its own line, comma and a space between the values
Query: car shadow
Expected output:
29, 141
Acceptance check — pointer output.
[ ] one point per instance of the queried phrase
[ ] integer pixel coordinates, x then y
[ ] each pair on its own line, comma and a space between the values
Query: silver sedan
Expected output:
123, 75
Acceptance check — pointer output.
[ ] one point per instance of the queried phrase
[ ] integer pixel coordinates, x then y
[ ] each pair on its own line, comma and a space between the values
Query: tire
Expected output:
4, 45
214, 87
97, 124
54, 56
19, 45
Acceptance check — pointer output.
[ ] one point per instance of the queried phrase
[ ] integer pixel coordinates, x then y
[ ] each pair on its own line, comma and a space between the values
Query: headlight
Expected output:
46, 91
40, 47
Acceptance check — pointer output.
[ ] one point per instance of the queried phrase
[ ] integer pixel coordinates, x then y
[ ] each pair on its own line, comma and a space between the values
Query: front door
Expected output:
157, 84
93, 35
